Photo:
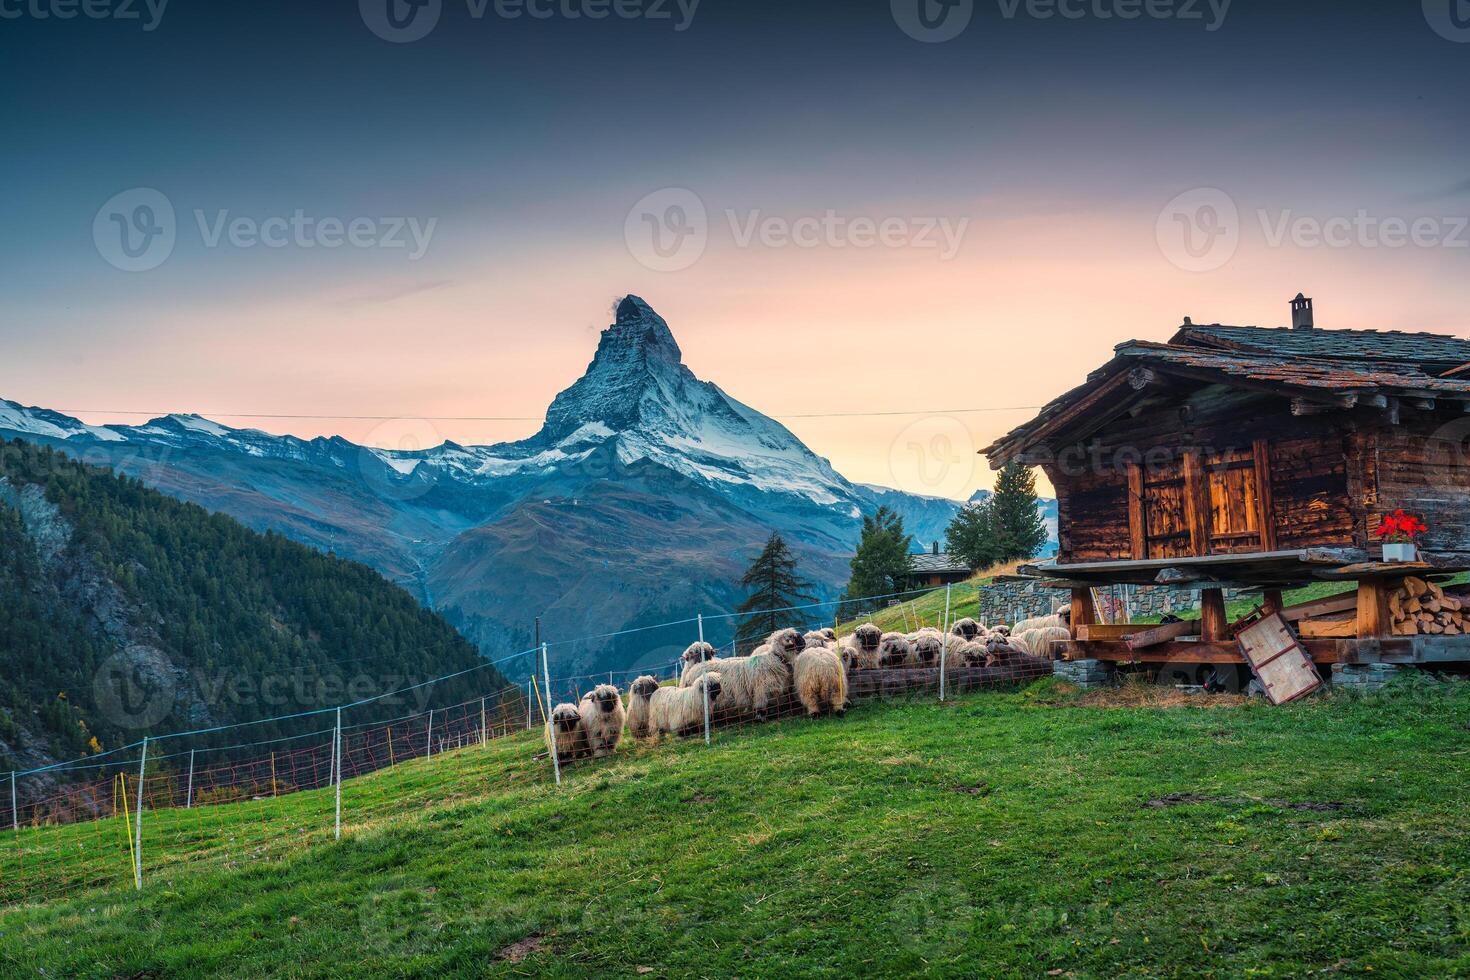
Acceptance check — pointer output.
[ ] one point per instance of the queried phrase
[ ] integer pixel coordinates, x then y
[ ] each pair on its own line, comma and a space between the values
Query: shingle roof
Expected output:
927, 564
1299, 372
1372, 345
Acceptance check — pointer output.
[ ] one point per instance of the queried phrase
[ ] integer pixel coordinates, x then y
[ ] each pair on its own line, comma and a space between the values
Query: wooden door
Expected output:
1202, 504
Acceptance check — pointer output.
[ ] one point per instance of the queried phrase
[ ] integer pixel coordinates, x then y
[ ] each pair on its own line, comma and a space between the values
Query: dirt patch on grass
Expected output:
517, 951
1138, 695
980, 789
700, 798
1187, 799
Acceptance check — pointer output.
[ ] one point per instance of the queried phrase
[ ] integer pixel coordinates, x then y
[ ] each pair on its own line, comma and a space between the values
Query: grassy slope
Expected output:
838, 847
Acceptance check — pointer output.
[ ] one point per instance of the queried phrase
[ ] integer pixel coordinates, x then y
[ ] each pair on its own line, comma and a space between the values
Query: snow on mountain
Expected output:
50, 425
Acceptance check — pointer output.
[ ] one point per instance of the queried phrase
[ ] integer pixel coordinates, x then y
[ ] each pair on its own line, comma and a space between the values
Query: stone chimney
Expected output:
1301, 313
936, 547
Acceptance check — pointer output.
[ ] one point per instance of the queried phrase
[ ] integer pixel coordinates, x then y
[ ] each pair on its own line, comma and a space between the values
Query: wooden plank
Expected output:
1271, 601
1374, 619
1107, 631
1345, 628
1281, 664
1196, 504
1137, 528
1197, 652
1265, 509
1321, 607
1212, 615
1161, 634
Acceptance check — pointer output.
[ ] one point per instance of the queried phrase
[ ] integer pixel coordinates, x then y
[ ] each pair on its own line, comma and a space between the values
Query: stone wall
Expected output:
1011, 600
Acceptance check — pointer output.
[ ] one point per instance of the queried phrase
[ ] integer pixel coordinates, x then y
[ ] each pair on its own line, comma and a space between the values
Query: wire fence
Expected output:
149, 810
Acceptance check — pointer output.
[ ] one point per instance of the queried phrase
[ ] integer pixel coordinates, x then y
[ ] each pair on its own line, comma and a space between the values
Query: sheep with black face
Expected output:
821, 681
757, 685
603, 716
697, 653
568, 736
895, 650
966, 629
927, 647
639, 723
681, 710
860, 649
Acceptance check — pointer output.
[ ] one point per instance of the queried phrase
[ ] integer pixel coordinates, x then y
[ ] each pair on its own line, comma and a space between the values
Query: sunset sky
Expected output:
1056, 145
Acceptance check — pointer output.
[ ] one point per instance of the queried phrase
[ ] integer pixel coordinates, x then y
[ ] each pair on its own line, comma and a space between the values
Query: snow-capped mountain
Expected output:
638, 501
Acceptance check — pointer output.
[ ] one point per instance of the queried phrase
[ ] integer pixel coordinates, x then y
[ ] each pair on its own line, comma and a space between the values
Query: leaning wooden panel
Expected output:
1283, 666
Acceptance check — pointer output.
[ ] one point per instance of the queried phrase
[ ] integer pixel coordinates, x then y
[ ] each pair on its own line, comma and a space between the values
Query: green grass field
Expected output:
1003, 834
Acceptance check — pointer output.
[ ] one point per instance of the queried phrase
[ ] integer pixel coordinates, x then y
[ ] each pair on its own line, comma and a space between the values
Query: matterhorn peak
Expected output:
638, 333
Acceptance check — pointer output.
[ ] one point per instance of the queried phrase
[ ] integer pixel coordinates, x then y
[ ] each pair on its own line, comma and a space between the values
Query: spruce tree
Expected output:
883, 563
1019, 530
971, 535
774, 586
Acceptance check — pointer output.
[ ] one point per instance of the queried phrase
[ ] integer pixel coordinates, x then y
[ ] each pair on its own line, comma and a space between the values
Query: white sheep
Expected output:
788, 640
1038, 642
639, 723
821, 681
859, 650
927, 646
895, 650
681, 710
569, 737
754, 685
1062, 617
697, 653
966, 628
816, 638
603, 716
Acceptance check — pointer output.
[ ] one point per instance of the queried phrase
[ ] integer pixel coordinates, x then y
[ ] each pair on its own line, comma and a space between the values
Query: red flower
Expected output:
1400, 527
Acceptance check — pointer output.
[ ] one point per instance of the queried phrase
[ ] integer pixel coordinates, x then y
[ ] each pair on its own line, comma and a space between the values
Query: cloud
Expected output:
390, 292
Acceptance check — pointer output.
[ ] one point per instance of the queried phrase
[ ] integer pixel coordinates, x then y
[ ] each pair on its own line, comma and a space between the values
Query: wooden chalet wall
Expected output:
1422, 466
1219, 447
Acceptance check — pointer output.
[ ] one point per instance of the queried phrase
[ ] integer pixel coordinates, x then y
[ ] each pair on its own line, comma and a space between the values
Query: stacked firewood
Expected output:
1420, 606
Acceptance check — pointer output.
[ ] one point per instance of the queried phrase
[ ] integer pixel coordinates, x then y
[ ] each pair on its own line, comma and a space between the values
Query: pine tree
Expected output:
1019, 530
883, 563
971, 535
775, 585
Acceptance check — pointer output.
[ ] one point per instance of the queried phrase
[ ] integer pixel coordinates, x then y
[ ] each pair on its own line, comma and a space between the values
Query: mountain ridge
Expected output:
637, 421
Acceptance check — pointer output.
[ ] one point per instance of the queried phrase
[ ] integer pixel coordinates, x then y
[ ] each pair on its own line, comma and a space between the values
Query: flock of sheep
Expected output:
813, 668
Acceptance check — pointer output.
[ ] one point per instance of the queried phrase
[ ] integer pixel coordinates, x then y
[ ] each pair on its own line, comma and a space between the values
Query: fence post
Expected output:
138, 823
14, 811
484, 739
944, 643
337, 767
429, 736
705, 685
189, 797
529, 683
550, 735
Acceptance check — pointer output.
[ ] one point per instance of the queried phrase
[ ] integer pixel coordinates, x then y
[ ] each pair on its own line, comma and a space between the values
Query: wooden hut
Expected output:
1235, 457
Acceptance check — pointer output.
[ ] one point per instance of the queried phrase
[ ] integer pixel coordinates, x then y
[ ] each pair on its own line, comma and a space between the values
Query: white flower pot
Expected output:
1400, 552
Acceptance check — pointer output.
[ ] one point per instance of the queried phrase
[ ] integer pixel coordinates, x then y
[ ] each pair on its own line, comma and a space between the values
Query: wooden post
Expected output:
1374, 619
1084, 611
1212, 615
1196, 504
1137, 526
1272, 602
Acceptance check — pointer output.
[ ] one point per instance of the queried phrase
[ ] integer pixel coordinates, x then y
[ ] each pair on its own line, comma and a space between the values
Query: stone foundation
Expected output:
1084, 673
1011, 600
1366, 678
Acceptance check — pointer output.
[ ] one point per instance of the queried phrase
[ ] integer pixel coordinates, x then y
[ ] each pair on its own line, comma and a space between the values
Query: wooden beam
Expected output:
1272, 601
1374, 619
1137, 526
1212, 615
1196, 504
1265, 506
1343, 602
1201, 652
1161, 634
1084, 612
